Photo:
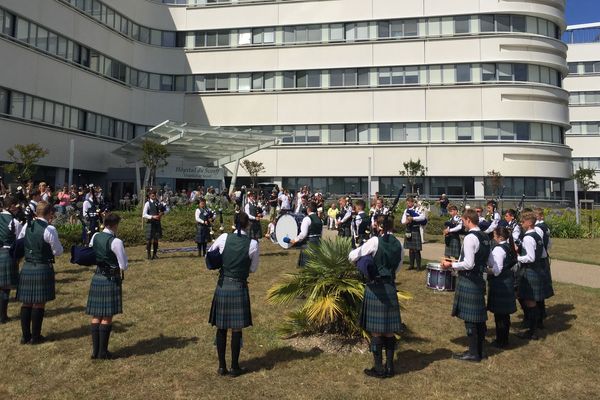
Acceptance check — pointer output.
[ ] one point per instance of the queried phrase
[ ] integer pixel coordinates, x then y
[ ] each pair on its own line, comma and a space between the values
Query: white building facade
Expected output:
583, 82
464, 86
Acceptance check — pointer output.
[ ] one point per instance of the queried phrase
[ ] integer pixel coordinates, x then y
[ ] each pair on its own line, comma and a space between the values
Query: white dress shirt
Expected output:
549, 239
370, 248
306, 222
347, 214
540, 232
285, 201
496, 259
14, 225
494, 224
147, 209
247, 211
470, 248
50, 237
529, 245
198, 218
117, 247
252, 251
459, 225
516, 232
377, 212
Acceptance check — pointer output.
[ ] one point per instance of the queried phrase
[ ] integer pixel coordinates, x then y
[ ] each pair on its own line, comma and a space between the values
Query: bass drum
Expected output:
287, 229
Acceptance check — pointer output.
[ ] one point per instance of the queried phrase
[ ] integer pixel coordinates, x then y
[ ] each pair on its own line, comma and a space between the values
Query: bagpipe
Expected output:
414, 214
520, 206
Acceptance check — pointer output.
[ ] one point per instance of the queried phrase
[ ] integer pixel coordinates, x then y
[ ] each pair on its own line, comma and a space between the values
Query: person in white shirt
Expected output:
311, 230
230, 308
152, 213
501, 284
36, 280
544, 231
452, 233
10, 228
284, 201
494, 215
344, 218
413, 220
105, 294
469, 298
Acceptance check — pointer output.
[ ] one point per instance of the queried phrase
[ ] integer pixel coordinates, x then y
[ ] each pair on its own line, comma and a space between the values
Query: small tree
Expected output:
413, 170
253, 168
24, 159
585, 179
154, 156
496, 181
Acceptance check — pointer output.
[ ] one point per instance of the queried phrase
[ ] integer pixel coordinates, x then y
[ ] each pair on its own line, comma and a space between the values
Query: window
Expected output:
465, 131
411, 28
244, 82
17, 104
503, 23
38, 109
357, 31
168, 39
487, 23
383, 29
336, 133
522, 130
490, 131
411, 76
222, 83
336, 32
462, 24
519, 23
350, 134
313, 134
42, 39
385, 132
521, 73
463, 73
3, 100
289, 80
505, 72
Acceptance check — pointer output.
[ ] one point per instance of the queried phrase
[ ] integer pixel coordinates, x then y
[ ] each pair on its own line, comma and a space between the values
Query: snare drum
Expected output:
287, 228
440, 279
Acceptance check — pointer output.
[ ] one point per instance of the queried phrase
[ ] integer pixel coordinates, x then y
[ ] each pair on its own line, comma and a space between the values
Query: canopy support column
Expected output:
235, 174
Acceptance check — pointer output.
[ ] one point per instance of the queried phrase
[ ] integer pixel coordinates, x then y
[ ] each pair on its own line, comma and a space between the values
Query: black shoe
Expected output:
390, 372
4, 320
374, 373
235, 372
25, 340
527, 336
149, 257
466, 356
540, 325
154, 257
222, 371
410, 268
107, 356
499, 345
37, 340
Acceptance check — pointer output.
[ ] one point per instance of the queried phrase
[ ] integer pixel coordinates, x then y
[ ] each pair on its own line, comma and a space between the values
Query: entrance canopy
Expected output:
201, 145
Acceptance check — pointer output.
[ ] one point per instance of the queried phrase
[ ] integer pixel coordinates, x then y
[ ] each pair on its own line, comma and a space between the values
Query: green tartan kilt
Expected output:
105, 297
153, 230
202, 233
255, 230
501, 293
469, 299
9, 270
532, 284
549, 288
380, 309
230, 307
452, 246
36, 283
303, 257
414, 242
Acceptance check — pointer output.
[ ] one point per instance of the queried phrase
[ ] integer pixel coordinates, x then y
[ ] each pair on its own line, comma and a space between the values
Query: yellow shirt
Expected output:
332, 212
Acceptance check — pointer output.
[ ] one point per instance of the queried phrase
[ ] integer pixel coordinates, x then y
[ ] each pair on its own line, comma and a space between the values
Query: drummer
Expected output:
311, 230
469, 298
451, 233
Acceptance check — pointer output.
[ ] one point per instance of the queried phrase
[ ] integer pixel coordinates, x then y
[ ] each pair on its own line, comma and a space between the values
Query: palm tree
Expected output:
332, 289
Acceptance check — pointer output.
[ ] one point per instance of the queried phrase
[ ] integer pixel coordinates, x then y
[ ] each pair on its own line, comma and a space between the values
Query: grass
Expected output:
165, 345
576, 250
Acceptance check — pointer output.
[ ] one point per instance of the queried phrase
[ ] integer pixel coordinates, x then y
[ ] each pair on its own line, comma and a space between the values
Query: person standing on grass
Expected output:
413, 220
469, 298
380, 315
452, 233
10, 228
542, 229
105, 298
36, 281
230, 307
311, 230
532, 279
203, 221
152, 213
501, 284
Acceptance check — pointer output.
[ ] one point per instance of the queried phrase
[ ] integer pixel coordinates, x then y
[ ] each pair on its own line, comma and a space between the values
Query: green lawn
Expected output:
165, 345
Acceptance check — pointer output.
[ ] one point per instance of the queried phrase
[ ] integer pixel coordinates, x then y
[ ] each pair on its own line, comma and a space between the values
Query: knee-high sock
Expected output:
154, 247
103, 339
148, 246
4, 298
236, 346
534, 316
542, 307
481, 328
499, 320
95, 330
473, 340
390, 350
377, 349
37, 318
26, 323
411, 257
199, 249
418, 259
204, 245
221, 342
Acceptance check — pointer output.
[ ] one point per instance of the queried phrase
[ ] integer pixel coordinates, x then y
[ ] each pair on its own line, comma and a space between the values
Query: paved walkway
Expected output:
562, 271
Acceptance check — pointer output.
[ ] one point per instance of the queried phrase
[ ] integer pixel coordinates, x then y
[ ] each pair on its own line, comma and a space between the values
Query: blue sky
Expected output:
583, 11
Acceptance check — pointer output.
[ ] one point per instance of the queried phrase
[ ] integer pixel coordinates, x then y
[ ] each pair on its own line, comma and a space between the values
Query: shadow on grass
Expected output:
70, 279
278, 253
280, 355
412, 360
558, 320
55, 312
155, 345
82, 331
407, 335
76, 270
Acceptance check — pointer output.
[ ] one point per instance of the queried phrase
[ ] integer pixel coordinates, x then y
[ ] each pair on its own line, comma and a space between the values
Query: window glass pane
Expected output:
289, 35
22, 30
462, 24
42, 39
397, 76
411, 75
154, 81
507, 131
505, 72
465, 131
487, 23
52, 42
336, 32
200, 39
363, 77
222, 82
314, 79
385, 132
301, 79
269, 80
411, 27
490, 131
336, 78
38, 109
518, 23
166, 82
289, 79
3, 99
383, 29
314, 33
313, 134
351, 134
244, 82
336, 133
168, 39
301, 34
58, 114
17, 104
257, 81
503, 23
48, 112
463, 73
155, 37
144, 34
363, 133
521, 72
385, 76
522, 130
269, 35
413, 133
398, 133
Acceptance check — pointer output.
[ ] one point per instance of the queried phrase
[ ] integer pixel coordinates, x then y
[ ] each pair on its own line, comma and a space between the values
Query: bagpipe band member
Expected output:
501, 284
203, 221
493, 215
452, 233
380, 314
543, 230
377, 211
360, 224
532, 281
36, 280
152, 213
251, 209
10, 228
513, 227
412, 241
105, 298
231, 302
34, 198
469, 298
344, 218
483, 223
311, 230
91, 217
